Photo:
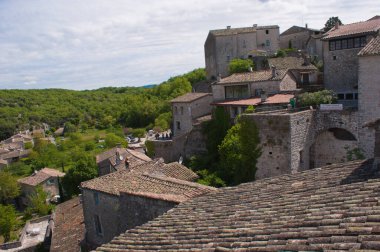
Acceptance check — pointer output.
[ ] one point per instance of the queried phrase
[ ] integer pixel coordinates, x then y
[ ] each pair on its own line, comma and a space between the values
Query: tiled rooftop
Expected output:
274, 99
189, 97
134, 157
232, 31
154, 184
335, 207
40, 176
372, 48
69, 227
360, 28
265, 75
297, 29
291, 63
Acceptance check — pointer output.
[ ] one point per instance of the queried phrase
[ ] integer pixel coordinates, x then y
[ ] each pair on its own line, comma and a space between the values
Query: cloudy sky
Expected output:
94, 43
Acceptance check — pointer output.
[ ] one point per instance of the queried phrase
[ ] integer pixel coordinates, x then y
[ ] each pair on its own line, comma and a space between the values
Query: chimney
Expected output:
117, 161
274, 71
306, 60
126, 163
336, 25
263, 96
375, 125
228, 27
219, 78
306, 25
250, 69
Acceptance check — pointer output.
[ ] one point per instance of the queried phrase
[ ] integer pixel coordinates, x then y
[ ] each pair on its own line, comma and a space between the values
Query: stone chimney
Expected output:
306, 60
306, 25
219, 78
274, 71
117, 161
263, 96
228, 27
336, 25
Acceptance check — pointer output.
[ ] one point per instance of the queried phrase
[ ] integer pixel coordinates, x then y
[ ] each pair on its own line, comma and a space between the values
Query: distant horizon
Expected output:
91, 44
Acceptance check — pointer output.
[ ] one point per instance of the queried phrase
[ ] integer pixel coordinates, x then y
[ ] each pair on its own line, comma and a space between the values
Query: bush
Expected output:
316, 98
250, 109
280, 54
240, 65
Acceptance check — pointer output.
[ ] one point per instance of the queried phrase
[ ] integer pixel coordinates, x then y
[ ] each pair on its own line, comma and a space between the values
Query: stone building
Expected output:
47, 178
334, 208
314, 47
121, 200
119, 158
296, 37
341, 46
369, 93
187, 108
305, 73
223, 45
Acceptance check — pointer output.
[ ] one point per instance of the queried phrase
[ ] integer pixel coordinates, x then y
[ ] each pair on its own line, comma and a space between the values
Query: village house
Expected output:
67, 226
305, 73
341, 46
187, 108
237, 91
334, 207
297, 37
224, 45
47, 178
118, 158
127, 198
314, 47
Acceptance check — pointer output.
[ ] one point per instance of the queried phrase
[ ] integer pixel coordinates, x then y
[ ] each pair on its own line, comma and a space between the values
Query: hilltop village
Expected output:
312, 96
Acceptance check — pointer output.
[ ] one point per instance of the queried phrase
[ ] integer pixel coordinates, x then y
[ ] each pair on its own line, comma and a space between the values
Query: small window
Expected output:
338, 45
305, 79
181, 110
357, 42
340, 96
349, 96
96, 198
98, 225
350, 43
175, 110
344, 44
266, 31
334, 57
228, 58
332, 45
356, 96
267, 42
363, 41
178, 125
258, 92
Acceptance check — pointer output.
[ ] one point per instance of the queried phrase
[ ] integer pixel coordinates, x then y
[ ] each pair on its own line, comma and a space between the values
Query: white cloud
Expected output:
93, 43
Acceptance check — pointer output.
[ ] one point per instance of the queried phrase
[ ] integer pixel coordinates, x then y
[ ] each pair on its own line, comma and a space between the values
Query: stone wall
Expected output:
369, 102
136, 210
108, 211
298, 39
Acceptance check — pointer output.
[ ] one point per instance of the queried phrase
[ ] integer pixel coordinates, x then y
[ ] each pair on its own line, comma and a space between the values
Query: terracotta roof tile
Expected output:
360, 28
291, 63
372, 48
265, 75
69, 226
274, 99
40, 176
335, 207
189, 97
134, 157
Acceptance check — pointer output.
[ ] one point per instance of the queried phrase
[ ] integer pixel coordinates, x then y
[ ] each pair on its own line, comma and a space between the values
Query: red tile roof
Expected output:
360, 28
134, 157
275, 99
69, 227
189, 97
372, 48
41, 176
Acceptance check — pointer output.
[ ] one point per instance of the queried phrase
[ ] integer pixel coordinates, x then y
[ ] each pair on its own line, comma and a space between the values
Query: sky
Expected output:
89, 44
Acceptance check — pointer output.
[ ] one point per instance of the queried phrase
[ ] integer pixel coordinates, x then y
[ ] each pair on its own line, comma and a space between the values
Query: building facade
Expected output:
224, 45
297, 37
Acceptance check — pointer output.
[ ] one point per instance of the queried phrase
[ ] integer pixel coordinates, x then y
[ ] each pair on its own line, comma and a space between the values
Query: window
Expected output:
258, 91
267, 42
338, 45
350, 43
266, 31
50, 181
96, 198
98, 225
181, 110
228, 58
357, 42
334, 57
175, 110
363, 41
340, 96
178, 125
347, 43
332, 45
344, 44
305, 79
236, 92
356, 96
349, 96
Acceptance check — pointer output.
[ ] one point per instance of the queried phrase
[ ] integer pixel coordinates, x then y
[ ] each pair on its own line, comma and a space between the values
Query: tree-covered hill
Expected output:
134, 107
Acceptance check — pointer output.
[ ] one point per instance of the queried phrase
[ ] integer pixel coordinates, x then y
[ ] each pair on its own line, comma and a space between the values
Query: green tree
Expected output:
84, 169
69, 128
38, 203
112, 140
8, 221
9, 188
240, 65
163, 121
330, 23
316, 98
239, 152
280, 54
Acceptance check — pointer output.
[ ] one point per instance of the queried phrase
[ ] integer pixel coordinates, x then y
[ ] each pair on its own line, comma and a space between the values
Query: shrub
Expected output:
240, 65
